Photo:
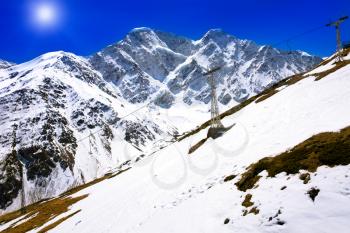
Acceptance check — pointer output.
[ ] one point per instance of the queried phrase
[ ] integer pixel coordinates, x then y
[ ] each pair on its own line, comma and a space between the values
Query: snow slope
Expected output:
171, 191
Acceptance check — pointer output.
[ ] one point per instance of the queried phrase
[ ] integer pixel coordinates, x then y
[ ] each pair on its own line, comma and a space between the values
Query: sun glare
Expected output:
45, 14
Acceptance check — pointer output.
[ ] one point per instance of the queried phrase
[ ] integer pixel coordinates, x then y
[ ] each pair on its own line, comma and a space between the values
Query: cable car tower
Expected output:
216, 127
336, 24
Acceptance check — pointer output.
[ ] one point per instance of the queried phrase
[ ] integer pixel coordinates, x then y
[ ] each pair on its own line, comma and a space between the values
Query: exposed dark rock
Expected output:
313, 192
10, 183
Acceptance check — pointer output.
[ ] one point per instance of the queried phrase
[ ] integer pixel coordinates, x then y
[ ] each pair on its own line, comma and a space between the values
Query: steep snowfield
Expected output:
171, 191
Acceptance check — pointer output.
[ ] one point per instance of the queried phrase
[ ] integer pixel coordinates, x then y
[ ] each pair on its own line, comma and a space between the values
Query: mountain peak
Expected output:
143, 35
218, 36
217, 32
141, 29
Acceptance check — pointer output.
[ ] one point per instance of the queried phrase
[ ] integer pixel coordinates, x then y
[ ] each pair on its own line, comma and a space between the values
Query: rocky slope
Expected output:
48, 109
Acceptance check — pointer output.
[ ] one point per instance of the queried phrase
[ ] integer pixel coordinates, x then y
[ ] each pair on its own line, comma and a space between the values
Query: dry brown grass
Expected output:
248, 203
345, 52
337, 66
266, 96
330, 149
247, 200
229, 178
254, 210
305, 177
37, 214
197, 145
53, 225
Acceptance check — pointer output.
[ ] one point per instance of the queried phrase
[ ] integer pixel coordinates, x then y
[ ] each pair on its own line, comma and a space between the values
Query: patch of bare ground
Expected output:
305, 177
313, 192
229, 178
247, 200
197, 145
337, 66
266, 96
248, 203
37, 214
344, 53
330, 149
54, 224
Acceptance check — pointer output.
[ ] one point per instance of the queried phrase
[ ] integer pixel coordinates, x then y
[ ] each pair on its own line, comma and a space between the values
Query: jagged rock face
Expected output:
146, 61
10, 182
164, 99
49, 107
138, 64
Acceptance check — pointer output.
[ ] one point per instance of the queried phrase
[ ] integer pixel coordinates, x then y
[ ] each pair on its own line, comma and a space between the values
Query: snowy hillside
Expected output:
66, 120
48, 108
230, 184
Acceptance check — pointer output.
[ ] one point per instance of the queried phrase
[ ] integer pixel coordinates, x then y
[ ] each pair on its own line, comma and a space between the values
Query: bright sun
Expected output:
46, 14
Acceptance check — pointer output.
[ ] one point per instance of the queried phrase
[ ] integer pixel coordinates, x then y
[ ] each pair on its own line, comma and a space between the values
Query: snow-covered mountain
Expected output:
147, 61
48, 108
5, 64
66, 120
283, 167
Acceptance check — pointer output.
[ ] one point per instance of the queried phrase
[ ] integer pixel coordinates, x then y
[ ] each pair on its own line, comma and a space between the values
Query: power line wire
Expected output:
298, 35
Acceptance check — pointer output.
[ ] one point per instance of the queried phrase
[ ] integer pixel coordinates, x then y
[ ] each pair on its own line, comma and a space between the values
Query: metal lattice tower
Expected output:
214, 110
336, 24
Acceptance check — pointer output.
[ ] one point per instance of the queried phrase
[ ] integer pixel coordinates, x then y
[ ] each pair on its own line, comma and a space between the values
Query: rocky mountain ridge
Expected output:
147, 61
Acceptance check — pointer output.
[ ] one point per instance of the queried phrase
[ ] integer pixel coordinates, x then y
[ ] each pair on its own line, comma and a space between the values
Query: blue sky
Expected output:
86, 26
